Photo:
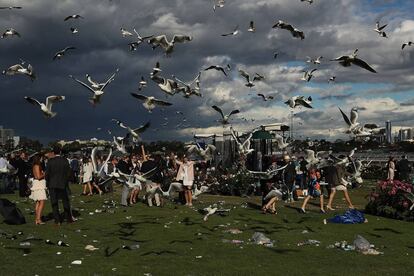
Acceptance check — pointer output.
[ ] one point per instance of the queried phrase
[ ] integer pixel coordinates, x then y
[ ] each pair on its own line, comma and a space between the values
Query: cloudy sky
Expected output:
332, 28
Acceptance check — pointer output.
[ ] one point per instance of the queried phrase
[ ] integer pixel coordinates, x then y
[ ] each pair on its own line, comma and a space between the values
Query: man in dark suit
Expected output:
57, 181
403, 167
23, 170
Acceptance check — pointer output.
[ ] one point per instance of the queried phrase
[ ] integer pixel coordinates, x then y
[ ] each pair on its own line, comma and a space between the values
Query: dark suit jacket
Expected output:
57, 173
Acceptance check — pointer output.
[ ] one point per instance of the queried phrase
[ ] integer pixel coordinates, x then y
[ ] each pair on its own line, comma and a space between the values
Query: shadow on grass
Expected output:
387, 230
181, 241
158, 253
109, 253
254, 206
282, 251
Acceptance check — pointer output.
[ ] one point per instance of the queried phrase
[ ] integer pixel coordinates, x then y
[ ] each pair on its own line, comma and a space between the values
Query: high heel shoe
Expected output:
330, 208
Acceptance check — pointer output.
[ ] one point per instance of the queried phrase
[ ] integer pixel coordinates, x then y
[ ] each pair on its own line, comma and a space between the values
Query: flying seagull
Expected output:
168, 46
11, 8
265, 98
156, 69
133, 46
61, 53
46, 108
187, 88
142, 84
332, 79
307, 76
347, 61
206, 154
285, 26
216, 67
409, 43
168, 86
10, 33
247, 77
150, 102
225, 118
243, 148
74, 16
299, 101
233, 33
351, 121
379, 29
218, 4
135, 133
125, 32
315, 61
74, 30
18, 69
309, 1
98, 91
251, 28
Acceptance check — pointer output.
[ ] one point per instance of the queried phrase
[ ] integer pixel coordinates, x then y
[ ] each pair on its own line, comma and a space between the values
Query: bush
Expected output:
392, 199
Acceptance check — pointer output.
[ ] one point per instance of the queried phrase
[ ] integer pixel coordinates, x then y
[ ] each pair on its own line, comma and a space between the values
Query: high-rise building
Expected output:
6, 135
388, 132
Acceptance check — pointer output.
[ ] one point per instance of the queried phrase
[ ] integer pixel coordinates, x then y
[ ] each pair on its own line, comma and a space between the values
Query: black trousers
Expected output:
62, 194
23, 188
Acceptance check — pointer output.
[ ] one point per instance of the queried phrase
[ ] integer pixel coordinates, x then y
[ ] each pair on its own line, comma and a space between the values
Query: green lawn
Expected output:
173, 238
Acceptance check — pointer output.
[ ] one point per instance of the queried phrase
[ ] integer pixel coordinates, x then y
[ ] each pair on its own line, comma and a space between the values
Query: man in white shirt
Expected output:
5, 168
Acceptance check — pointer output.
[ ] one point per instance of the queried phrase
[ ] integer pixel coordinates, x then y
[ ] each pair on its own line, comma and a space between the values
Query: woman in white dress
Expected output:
391, 169
186, 175
38, 189
87, 175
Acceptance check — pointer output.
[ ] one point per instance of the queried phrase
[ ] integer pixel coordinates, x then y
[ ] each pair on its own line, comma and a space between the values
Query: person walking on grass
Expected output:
87, 175
314, 190
339, 184
38, 189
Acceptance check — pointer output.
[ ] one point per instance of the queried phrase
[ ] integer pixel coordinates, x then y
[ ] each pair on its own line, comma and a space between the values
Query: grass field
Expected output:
174, 240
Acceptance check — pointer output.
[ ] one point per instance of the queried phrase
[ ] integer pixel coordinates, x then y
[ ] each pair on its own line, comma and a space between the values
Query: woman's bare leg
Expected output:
348, 200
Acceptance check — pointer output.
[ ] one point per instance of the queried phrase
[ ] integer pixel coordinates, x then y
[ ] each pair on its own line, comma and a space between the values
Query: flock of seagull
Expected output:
172, 85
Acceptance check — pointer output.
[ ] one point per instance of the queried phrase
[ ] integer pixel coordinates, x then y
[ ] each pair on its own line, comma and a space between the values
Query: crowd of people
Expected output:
48, 175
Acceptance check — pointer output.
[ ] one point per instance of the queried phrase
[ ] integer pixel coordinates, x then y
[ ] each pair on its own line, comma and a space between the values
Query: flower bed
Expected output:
392, 199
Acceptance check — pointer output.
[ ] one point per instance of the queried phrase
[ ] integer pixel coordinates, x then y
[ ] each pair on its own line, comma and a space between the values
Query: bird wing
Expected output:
303, 102
111, 78
139, 96
310, 154
14, 68
234, 112
261, 95
218, 109
69, 48
363, 64
382, 27
33, 101
234, 136
160, 40
53, 99
162, 103
82, 83
210, 67
244, 74
181, 38
119, 123
354, 116
346, 119
142, 128
340, 58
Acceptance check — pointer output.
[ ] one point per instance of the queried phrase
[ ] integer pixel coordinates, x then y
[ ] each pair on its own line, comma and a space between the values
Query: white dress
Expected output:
186, 181
87, 170
38, 190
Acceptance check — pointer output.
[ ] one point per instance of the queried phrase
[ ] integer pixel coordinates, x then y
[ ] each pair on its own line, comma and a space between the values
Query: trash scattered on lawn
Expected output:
58, 253
76, 262
309, 242
199, 257
131, 247
360, 244
352, 216
232, 241
233, 231
91, 247
49, 242
58, 266
26, 244
260, 239
62, 243
305, 232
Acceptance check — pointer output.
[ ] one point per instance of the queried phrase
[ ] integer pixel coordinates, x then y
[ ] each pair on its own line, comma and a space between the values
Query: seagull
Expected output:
309, 1
95, 84
258, 77
243, 148
216, 67
307, 76
275, 55
218, 4
119, 144
10, 33
18, 69
206, 154
97, 91
125, 32
295, 32
315, 61
352, 120
156, 69
61, 53
135, 133
11, 8
133, 46
332, 79
347, 61
142, 84
150, 102
187, 87
168, 86
299, 101
46, 108
168, 46
233, 33
265, 98
75, 16
244, 74
225, 118
379, 29
213, 210
281, 143
74, 30
251, 28
409, 43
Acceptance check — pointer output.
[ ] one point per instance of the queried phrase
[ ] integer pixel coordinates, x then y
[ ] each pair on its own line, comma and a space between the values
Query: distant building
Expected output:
405, 134
388, 132
6, 135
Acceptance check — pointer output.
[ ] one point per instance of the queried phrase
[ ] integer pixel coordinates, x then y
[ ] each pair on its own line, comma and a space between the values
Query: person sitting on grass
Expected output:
314, 189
